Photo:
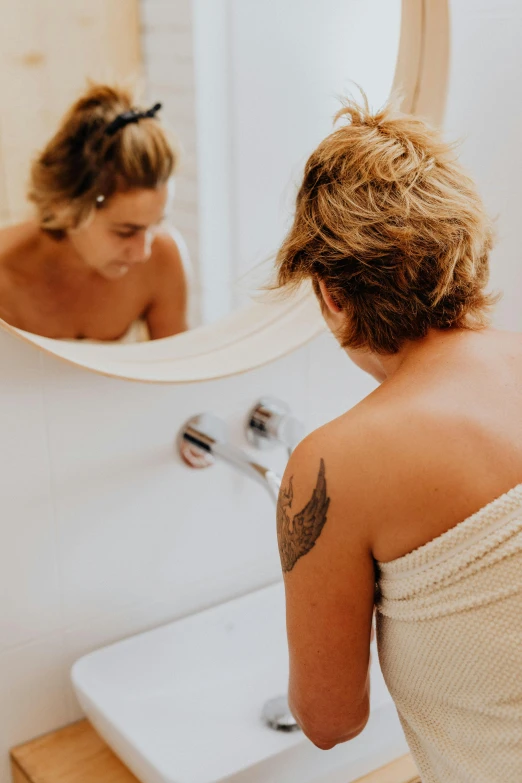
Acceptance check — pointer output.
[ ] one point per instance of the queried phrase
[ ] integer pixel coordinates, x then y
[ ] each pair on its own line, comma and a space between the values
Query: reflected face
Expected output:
121, 232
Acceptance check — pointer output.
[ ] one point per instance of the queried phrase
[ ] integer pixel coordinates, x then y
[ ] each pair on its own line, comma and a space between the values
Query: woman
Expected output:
418, 488
95, 260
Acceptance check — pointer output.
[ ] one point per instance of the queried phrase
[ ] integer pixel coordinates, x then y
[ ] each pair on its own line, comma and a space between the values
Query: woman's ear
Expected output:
330, 303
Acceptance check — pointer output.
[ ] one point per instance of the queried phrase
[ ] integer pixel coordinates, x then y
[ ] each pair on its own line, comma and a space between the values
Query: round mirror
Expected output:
137, 232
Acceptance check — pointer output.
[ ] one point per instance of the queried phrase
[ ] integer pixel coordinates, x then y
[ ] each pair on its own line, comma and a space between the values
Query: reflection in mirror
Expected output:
270, 76
101, 255
95, 262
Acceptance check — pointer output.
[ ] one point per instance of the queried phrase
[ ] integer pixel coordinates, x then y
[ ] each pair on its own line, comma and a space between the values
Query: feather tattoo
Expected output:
298, 534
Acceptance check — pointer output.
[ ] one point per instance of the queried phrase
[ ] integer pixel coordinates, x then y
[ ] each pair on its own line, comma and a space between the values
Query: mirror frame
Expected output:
265, 331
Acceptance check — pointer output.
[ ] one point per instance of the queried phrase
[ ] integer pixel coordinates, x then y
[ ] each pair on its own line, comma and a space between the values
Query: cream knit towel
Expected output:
449, 636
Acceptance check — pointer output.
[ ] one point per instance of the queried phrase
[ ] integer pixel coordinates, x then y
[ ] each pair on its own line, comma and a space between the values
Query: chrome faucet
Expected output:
203, 438
270, 422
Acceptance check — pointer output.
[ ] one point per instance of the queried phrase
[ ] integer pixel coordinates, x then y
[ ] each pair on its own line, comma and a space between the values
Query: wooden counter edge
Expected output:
73, 754
77, 754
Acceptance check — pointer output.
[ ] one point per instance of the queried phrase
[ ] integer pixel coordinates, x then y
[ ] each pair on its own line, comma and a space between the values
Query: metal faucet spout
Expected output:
235, 456
203, 439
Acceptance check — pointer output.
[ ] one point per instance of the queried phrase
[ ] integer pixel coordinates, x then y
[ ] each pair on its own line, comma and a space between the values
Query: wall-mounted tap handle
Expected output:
270, 422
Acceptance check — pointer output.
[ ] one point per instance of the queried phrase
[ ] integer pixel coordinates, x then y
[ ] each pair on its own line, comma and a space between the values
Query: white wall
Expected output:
105, 532
485, 111
291, 62
269, 77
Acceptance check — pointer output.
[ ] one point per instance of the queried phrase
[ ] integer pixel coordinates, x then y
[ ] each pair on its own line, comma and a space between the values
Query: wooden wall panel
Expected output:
48, 49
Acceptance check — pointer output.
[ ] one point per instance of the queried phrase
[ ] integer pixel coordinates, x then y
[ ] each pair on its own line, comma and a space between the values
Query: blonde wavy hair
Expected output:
391, 223
82, 162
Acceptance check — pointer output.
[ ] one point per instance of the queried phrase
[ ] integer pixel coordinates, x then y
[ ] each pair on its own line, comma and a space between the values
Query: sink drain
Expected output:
277, 715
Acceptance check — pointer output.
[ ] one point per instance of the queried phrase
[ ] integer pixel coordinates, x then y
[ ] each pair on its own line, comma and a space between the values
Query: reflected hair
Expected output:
83, 165
390, 222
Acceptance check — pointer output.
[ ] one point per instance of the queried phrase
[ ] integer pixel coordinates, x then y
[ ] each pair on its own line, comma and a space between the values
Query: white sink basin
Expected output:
182, 703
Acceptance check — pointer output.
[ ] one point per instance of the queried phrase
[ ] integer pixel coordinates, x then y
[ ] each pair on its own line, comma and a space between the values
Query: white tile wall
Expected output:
105, 532
128, 540
33, 692
29, 584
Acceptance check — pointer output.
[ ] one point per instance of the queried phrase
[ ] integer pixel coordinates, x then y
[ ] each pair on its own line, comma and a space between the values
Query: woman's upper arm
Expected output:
329, 584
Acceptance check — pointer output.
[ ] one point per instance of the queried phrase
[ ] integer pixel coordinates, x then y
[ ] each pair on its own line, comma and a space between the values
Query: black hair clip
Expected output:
130, 116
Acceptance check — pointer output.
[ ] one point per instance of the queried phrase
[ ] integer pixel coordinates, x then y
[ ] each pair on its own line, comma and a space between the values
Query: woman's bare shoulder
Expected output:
382, 459
18, 237
167, 263
167, 312
165, 248
391, 434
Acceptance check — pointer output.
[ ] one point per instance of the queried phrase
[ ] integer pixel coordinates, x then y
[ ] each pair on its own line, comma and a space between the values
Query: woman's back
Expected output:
449, 559
451, 439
